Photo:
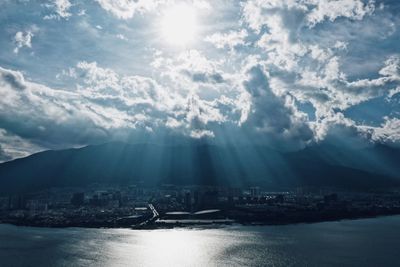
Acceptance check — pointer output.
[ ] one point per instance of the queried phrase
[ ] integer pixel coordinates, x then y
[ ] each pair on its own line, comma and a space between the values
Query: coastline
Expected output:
205, 224
364, 242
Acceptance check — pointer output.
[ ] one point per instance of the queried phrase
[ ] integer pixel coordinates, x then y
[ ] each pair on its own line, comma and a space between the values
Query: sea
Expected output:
363, 242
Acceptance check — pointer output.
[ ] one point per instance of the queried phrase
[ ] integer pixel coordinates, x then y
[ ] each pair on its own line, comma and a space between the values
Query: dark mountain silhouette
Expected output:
119, 163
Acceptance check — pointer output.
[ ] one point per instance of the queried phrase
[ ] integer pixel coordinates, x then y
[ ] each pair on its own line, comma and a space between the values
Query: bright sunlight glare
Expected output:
179, 24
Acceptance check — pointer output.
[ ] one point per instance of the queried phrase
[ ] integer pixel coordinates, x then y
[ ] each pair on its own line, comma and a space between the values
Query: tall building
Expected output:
255, 191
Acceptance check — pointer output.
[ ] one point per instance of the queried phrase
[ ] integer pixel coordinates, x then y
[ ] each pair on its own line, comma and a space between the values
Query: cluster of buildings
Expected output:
126, 206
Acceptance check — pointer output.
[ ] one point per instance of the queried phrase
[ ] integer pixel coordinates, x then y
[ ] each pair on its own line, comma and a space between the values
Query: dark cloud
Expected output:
204, 77
274, 117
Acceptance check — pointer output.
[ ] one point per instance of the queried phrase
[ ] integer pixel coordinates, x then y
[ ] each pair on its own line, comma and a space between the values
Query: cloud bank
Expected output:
286, 74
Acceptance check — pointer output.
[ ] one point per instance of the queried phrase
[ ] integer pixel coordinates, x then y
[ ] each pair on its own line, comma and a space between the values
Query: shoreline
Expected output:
209, 225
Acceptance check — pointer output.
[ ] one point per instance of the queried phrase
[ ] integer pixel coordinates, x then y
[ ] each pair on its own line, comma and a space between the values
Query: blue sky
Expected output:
282, 73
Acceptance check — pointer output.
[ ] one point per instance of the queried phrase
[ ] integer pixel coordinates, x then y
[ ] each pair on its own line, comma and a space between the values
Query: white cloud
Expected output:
52, 117
13, 146
121, 37
33, 111
126, 9
333, 9
229, 40
211, 95
10, 78
257, 12
158, 106
390, 72
198, 134
393, 92
285, 74
23, 39
392, 68
61, 9
306, 64
389, 132
188, 67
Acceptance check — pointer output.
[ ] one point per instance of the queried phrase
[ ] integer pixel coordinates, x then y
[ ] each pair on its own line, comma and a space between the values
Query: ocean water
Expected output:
366, 242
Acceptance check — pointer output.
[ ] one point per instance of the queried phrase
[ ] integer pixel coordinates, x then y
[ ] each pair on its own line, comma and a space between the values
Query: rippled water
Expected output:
368, 242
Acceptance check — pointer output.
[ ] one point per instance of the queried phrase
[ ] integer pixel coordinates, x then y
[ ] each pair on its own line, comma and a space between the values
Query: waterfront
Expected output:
365, 242
167, 206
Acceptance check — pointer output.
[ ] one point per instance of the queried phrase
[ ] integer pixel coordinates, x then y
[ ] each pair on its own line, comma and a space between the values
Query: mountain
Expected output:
119, 163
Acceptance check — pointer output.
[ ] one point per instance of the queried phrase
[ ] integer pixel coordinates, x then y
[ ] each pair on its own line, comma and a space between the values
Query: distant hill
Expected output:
119, 163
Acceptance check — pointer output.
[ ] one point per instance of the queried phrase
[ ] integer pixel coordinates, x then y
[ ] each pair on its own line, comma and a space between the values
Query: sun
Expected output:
179, 25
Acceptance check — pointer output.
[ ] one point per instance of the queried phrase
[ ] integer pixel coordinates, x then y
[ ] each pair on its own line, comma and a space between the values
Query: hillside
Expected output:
118, 163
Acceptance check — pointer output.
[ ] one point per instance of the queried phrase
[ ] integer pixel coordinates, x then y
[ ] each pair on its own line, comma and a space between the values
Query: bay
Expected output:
365, 242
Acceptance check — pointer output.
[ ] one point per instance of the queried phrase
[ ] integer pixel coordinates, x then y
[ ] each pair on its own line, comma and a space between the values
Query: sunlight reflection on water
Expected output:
370, 242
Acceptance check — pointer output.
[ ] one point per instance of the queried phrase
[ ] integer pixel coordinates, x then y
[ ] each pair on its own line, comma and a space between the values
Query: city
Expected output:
169, 206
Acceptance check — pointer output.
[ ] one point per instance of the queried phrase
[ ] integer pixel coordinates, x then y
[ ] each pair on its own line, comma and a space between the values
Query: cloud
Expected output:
393, 92
273, 117
23, 39
389, 132
121, 37
126, 9
11, 78
389, 73
392, 68
61, 9
121, 104
205, 77
3, 155
326, 9
256, 12
279, 72
230, 40
211, 96
305, 63
191, 64
13, 146
44, 116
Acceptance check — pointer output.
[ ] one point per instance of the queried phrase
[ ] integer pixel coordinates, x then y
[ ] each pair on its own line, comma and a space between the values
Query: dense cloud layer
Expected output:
285, 73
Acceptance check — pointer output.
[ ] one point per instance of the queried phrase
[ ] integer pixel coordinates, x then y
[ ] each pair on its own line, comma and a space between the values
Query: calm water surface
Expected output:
367, 242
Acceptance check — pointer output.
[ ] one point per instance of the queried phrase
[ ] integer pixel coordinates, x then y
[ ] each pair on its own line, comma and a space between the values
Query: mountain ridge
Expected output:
203, 164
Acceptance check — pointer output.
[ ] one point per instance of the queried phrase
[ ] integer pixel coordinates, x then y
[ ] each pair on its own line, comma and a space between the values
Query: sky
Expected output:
281, 73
